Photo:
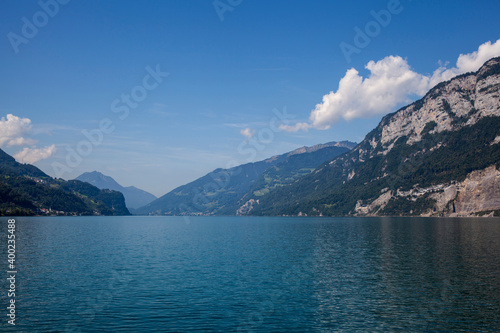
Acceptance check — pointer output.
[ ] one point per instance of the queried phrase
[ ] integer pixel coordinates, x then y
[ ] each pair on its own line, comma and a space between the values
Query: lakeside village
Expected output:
43, 211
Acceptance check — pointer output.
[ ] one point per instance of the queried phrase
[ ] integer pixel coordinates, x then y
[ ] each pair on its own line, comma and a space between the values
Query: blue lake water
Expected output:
210, 274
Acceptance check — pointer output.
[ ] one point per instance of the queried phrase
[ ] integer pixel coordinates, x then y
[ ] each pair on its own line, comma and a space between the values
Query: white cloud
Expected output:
32, 155
470, 62
247, 133
473, 61
13, 131
297, 127
391, 82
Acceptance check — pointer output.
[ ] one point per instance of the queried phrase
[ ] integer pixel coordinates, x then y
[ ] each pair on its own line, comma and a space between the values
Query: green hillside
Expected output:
26, 190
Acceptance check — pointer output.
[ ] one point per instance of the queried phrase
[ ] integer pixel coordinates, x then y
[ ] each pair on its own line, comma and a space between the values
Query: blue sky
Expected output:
225, 78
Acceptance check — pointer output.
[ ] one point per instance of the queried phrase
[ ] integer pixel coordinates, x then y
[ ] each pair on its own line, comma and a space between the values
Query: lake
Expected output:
253, 274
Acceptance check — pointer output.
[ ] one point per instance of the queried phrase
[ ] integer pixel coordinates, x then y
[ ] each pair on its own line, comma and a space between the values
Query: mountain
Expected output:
221, 191
9, 164
26, 190
134, 197
439, 156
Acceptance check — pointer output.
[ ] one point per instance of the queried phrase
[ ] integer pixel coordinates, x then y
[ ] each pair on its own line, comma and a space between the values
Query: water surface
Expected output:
210, 274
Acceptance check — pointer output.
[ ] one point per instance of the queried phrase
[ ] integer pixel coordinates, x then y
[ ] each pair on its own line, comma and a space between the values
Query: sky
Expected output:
158, 93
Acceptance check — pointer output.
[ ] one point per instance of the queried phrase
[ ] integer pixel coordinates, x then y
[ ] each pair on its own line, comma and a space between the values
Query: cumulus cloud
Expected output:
391, 82
32, 155
247, 133
13, 131
470, 62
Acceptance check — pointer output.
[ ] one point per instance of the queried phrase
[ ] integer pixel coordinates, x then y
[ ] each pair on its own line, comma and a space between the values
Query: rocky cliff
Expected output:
437, 156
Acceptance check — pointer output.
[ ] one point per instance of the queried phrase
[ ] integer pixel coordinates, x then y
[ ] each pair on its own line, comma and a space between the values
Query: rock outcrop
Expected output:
480, 192
437, 156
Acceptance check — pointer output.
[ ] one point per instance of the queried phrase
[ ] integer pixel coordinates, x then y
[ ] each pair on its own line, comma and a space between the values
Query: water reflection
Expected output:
424, 274
258, 274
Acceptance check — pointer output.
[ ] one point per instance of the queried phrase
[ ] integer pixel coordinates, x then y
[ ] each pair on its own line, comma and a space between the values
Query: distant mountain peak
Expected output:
305, 149
96, 177
134, 197
26, 190
223, 191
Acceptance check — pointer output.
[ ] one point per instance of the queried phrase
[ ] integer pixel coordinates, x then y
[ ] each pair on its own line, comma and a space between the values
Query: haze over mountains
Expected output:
221, 191
134, 197
439, 156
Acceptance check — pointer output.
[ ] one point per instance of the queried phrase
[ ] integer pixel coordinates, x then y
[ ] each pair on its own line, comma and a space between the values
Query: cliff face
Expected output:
450, 105
437, 156
480, 192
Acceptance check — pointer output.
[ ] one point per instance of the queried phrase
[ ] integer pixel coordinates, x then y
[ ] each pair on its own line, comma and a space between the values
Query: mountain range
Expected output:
26, 190
439, 156
134, 197
221, 191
